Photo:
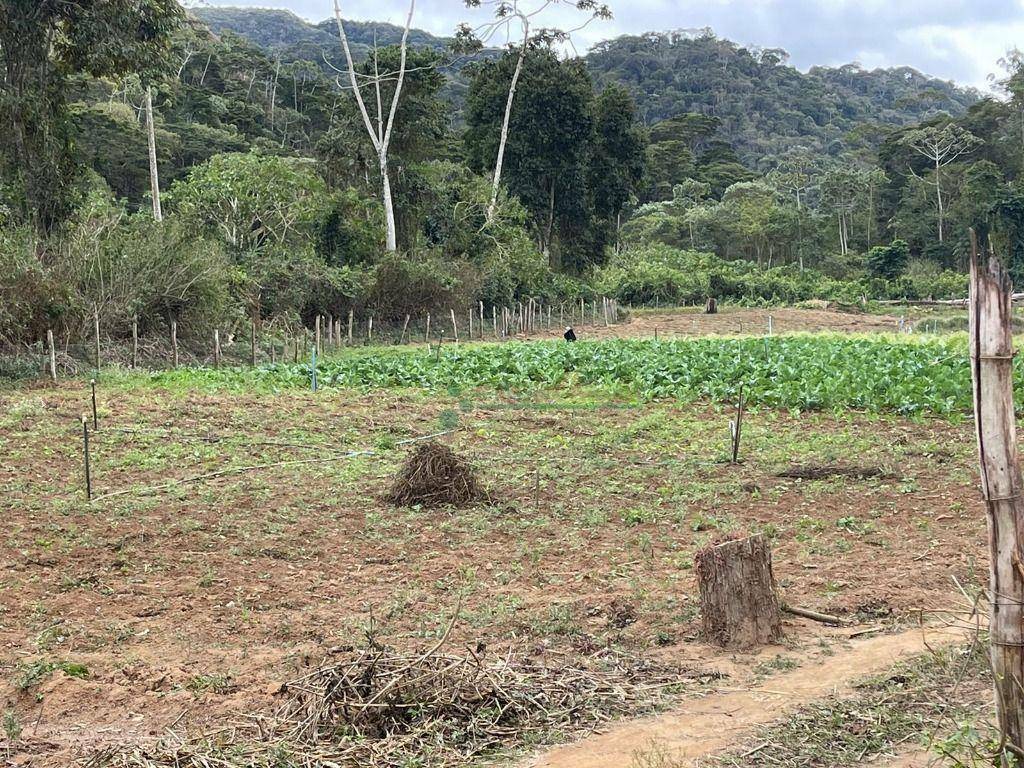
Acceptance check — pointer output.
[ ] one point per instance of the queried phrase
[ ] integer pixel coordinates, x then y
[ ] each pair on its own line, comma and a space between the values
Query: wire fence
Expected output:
61, 356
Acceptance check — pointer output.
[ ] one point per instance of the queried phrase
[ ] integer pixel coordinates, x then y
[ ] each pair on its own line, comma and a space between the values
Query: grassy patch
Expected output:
938, 693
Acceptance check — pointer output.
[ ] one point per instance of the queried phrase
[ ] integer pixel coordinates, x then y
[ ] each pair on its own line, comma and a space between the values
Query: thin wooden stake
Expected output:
53, 356
174, 341
405, 327
736, 426
455, 327
216, 348
350, 321
95, 414
494, 320
85, 453
135, 342
96, 328
252, 344
369, 329
317, 346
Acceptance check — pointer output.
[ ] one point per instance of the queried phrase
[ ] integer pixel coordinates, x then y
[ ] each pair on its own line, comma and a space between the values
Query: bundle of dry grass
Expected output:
433, 476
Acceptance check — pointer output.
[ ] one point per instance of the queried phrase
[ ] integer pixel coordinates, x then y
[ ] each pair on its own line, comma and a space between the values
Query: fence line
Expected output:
531, 317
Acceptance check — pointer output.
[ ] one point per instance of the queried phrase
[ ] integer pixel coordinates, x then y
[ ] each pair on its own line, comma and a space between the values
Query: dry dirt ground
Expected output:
131, 615
740, 320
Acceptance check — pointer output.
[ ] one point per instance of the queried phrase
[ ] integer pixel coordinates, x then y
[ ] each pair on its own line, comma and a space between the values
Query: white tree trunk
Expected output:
500, 161
154, 173
380, 137
389, 207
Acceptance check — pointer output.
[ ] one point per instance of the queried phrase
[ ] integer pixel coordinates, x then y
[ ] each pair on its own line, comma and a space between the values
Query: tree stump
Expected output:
738, 603
711, 306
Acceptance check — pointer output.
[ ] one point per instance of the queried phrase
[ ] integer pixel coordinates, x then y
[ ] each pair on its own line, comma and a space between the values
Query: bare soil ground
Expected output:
129, 616
728, 321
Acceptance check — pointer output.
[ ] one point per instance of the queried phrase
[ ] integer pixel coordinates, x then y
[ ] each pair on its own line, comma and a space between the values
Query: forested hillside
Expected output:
763, 105
226, 173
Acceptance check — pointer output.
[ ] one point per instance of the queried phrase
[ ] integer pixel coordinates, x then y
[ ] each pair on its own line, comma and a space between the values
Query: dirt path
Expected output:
719, 721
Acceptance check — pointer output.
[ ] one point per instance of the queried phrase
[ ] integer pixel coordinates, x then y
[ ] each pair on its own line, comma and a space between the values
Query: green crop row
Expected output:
878, 373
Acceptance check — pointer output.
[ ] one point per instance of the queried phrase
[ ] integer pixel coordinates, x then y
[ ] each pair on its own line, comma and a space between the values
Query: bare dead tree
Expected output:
154, 172
941, 146
380, 130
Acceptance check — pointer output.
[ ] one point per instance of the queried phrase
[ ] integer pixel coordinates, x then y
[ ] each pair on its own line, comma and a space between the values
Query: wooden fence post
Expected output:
369, 329
216, 348
494, 320
53, 356
350, 320
471, 310
991, 344
174, 341
455, 327
252, 344
96, 329
135, 342
317, 346
426, 333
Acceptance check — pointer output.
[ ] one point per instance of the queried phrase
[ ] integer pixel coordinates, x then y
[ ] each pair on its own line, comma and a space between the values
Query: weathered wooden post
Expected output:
53, 356
455, 327
739, 605
135, 342
494, 320
316, 342
405, 327
85, 454
426, 333
216, 348
252, 344
991, 341
174, 341
351, 318
96, 330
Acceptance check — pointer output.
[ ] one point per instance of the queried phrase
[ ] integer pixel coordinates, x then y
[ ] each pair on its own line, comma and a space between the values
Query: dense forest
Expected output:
214, 167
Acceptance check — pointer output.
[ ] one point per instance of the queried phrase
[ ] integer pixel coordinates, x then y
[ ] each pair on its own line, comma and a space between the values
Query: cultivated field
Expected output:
181, 601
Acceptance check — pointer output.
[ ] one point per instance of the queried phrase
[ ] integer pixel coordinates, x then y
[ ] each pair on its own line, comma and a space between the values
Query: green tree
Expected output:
43, 43
546, 156
888, 261
618, 156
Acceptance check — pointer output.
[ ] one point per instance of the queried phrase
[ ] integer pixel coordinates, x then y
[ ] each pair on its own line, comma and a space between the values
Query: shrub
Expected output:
888, 261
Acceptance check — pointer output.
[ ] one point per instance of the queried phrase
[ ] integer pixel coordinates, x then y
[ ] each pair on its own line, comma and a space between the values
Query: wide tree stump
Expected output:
711, 306
738, 603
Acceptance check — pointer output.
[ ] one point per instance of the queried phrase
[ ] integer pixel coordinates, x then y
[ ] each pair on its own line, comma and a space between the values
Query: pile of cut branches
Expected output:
382, 707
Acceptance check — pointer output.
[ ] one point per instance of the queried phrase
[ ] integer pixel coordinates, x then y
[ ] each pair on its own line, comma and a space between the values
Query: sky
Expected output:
959, 40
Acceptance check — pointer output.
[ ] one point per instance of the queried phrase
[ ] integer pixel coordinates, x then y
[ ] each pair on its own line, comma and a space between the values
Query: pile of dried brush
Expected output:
433, 476
385, 708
